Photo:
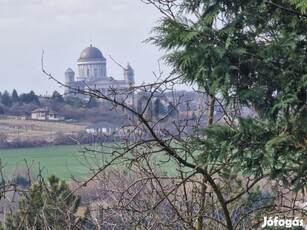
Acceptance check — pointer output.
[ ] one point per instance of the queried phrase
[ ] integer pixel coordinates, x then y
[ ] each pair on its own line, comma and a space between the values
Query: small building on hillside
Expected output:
46, 114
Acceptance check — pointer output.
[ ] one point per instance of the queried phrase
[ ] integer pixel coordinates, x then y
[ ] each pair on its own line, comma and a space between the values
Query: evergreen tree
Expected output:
6, 99
250, 53
15, 97
75, 102
255, 56
158, 108
92, 103
57, 97
46, 206
171, 109
30, 97
300, 5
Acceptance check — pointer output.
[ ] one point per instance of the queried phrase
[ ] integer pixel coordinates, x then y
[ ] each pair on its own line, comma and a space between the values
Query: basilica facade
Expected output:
92, 74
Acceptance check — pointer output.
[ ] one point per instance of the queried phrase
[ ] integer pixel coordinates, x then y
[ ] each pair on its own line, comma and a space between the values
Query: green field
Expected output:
64, 161
57, 160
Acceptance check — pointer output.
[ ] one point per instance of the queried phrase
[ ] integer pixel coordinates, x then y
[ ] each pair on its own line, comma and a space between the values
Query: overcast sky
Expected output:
63, 28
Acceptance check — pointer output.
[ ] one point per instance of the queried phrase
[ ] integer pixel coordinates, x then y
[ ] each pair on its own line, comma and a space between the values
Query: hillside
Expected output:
28, 130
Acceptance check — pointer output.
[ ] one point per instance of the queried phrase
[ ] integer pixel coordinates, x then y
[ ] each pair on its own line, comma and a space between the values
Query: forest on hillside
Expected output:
71, 107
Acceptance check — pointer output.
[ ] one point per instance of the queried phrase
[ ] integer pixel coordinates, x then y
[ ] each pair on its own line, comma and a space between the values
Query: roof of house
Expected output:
44, 110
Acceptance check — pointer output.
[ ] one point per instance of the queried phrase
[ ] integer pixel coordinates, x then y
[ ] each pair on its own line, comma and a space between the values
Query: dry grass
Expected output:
31, 129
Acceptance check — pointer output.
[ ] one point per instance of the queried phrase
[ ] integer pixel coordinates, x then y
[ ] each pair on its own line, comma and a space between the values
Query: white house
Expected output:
45, 114
102, 127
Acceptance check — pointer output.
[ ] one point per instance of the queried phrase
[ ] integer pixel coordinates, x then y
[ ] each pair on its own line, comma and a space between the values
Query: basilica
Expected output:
92, 74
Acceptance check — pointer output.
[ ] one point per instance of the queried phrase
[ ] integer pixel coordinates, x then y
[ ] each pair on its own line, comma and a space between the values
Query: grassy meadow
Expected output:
62, 161
58, 160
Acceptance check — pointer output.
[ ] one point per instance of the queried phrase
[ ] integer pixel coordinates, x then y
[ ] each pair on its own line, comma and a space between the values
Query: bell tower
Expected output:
129, 75
69, 76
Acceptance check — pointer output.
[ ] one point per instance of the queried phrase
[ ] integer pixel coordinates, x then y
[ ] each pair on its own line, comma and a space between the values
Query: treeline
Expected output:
8, 100
71, 107
85, 109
